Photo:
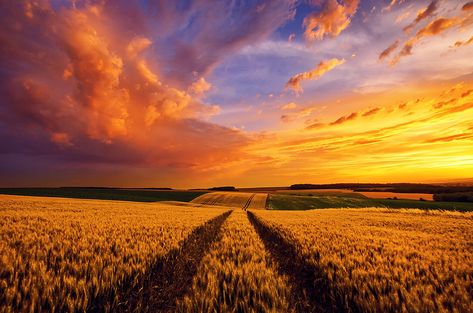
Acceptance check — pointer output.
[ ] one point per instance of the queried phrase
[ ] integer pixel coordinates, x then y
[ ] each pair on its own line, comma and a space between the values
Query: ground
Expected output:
225, 252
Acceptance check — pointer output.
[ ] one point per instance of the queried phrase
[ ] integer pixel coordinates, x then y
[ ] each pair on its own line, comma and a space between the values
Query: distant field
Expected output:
139, 195
358, 194
353, 200
243, 200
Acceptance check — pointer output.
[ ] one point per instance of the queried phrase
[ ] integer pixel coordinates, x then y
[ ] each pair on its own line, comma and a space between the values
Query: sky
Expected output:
245, 92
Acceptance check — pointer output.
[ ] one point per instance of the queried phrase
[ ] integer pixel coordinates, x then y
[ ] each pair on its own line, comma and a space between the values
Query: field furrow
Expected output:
242, 200
64, 255
258, 201
237, 275
377, 260
170, 277
310, 292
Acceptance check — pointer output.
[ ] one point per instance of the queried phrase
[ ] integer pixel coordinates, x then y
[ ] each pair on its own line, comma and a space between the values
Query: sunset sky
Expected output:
247, 93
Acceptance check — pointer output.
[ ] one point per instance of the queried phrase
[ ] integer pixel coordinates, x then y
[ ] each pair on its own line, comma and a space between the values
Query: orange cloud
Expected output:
289, 106
423, 14
392, 4
394, 148
97, 72
81, 90
371, 112
468, 6
323, 67
345, 119
434, 28
386, 52
464, 43
467, 93
333, 18
200, 87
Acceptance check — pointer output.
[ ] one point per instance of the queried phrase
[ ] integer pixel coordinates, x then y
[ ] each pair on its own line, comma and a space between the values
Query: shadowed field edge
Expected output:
312, 291
167, 280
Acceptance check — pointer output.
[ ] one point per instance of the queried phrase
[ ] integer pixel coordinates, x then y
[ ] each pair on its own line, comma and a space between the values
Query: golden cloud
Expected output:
289, 106
323, 67
200, 87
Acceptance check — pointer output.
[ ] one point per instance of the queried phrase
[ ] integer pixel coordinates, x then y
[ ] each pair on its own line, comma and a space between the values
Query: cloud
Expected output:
371, 112
214, 30
345, 119
468, 6
294, 116
392, 4
434, 28
331, 20
323, 67
200, 87
451, 138
77, 89
464, 43
429, 11
289, 106
386, 52
467, 93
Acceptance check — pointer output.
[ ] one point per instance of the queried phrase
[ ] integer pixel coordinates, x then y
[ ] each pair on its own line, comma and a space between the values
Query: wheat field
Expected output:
238, 275
67, 255
242, 200
381, 260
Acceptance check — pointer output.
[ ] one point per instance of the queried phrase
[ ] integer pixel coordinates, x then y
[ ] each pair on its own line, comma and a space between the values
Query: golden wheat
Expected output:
379, 260
237, 275
61, 254
233, 199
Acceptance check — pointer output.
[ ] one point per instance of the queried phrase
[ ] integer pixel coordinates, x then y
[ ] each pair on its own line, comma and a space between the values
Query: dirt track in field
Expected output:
244, 200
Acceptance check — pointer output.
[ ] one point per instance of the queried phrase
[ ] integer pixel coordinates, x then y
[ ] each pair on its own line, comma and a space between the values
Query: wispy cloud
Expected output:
428, 12
323, 67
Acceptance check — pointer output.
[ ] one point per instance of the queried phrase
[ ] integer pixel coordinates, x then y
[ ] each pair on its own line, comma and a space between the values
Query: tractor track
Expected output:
312, 291
168, 279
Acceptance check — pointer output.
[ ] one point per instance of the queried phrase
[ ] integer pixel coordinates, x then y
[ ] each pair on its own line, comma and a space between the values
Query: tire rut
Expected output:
312, 291
168, 279
248, 202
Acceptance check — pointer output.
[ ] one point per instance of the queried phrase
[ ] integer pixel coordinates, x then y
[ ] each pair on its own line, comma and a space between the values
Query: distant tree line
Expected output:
454, 197
398, 187
223, 188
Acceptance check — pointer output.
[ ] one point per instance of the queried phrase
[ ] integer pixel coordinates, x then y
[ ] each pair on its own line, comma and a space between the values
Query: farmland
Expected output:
238, 274
309, 201
234, 199
75, 255
135, 194
376, 260
208, 255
